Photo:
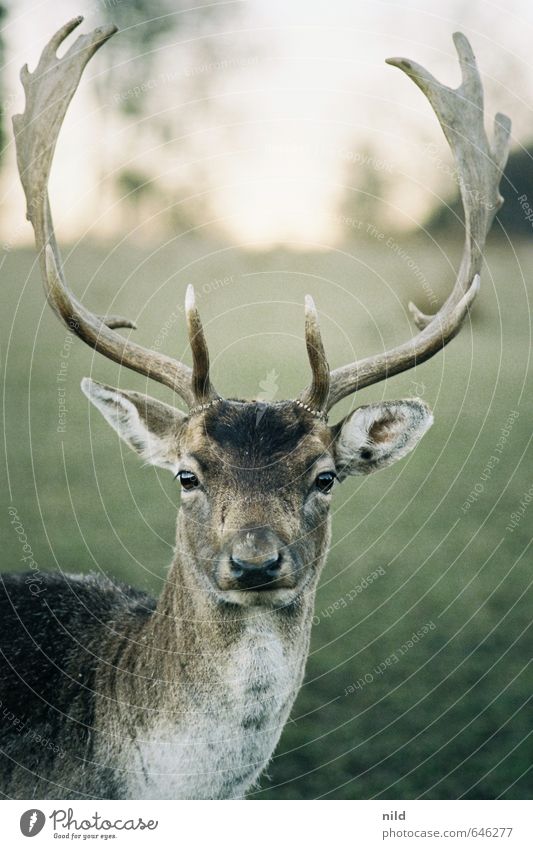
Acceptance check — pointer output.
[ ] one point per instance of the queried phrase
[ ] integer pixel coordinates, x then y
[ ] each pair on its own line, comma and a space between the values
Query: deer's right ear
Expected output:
148, 426
376, 435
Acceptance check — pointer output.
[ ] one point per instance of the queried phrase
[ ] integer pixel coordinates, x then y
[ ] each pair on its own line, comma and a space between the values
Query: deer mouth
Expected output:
255, 586
264, 597
273, 574
264, 589
260, 587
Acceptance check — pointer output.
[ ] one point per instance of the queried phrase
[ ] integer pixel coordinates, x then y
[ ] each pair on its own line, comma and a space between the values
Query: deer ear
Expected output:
145, 424
377, 435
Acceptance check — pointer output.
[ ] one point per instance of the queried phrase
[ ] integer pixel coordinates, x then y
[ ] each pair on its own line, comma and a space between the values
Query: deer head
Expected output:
256, 477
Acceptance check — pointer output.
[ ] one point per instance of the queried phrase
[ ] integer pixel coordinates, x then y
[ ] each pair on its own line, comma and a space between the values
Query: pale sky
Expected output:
302, 92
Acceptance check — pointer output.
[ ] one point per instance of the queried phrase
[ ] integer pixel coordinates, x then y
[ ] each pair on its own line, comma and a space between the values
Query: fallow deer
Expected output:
186, 696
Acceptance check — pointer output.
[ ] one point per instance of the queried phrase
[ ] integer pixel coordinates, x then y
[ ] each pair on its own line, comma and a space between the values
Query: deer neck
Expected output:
195, 642
198, 624
212, 686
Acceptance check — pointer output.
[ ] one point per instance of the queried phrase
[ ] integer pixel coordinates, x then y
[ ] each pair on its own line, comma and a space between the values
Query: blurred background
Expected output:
262, 150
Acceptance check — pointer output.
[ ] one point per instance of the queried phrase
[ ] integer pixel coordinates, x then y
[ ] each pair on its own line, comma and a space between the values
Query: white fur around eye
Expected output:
378, 435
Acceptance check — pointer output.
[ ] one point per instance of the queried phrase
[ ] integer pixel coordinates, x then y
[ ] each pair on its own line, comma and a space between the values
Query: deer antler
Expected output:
49, 90
316, 396
479, 169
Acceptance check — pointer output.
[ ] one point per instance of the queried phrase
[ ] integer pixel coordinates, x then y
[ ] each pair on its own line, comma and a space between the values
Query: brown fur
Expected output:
186, 697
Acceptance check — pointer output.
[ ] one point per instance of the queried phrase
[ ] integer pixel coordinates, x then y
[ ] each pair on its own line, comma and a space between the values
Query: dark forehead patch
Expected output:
263, 432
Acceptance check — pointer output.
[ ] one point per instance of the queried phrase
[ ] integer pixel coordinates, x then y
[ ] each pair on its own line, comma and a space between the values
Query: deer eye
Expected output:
188, 480
324, 481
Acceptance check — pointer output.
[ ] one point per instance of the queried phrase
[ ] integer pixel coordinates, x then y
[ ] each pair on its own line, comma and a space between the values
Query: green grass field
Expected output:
449, 715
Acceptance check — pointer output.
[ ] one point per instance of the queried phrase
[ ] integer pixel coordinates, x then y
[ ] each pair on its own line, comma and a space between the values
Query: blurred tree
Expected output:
365, 186
137, 85
3, 15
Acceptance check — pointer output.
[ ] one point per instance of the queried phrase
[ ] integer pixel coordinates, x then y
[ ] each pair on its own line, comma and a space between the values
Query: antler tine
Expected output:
316, 395
479, 168
201, 384
49, 90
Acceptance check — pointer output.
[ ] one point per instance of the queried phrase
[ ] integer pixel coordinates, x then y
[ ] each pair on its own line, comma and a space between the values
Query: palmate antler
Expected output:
479, 169
49, 90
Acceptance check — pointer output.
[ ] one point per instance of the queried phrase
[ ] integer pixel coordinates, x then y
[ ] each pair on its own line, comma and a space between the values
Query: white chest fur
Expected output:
229, 729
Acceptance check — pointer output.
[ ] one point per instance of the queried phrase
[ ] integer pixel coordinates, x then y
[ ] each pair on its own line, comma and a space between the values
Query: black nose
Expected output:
256, 575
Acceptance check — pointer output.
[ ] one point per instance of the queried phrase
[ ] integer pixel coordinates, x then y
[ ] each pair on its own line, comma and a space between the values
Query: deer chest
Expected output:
230, 722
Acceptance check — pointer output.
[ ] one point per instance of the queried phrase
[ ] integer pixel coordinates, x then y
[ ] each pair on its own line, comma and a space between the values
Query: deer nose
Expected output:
255, 575
255, 557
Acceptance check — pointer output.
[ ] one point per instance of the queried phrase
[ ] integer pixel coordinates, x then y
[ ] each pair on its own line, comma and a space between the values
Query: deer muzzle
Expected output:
255, 560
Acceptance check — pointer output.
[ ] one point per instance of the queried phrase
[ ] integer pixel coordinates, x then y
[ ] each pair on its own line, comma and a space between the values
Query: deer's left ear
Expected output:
147, 425
377, 435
